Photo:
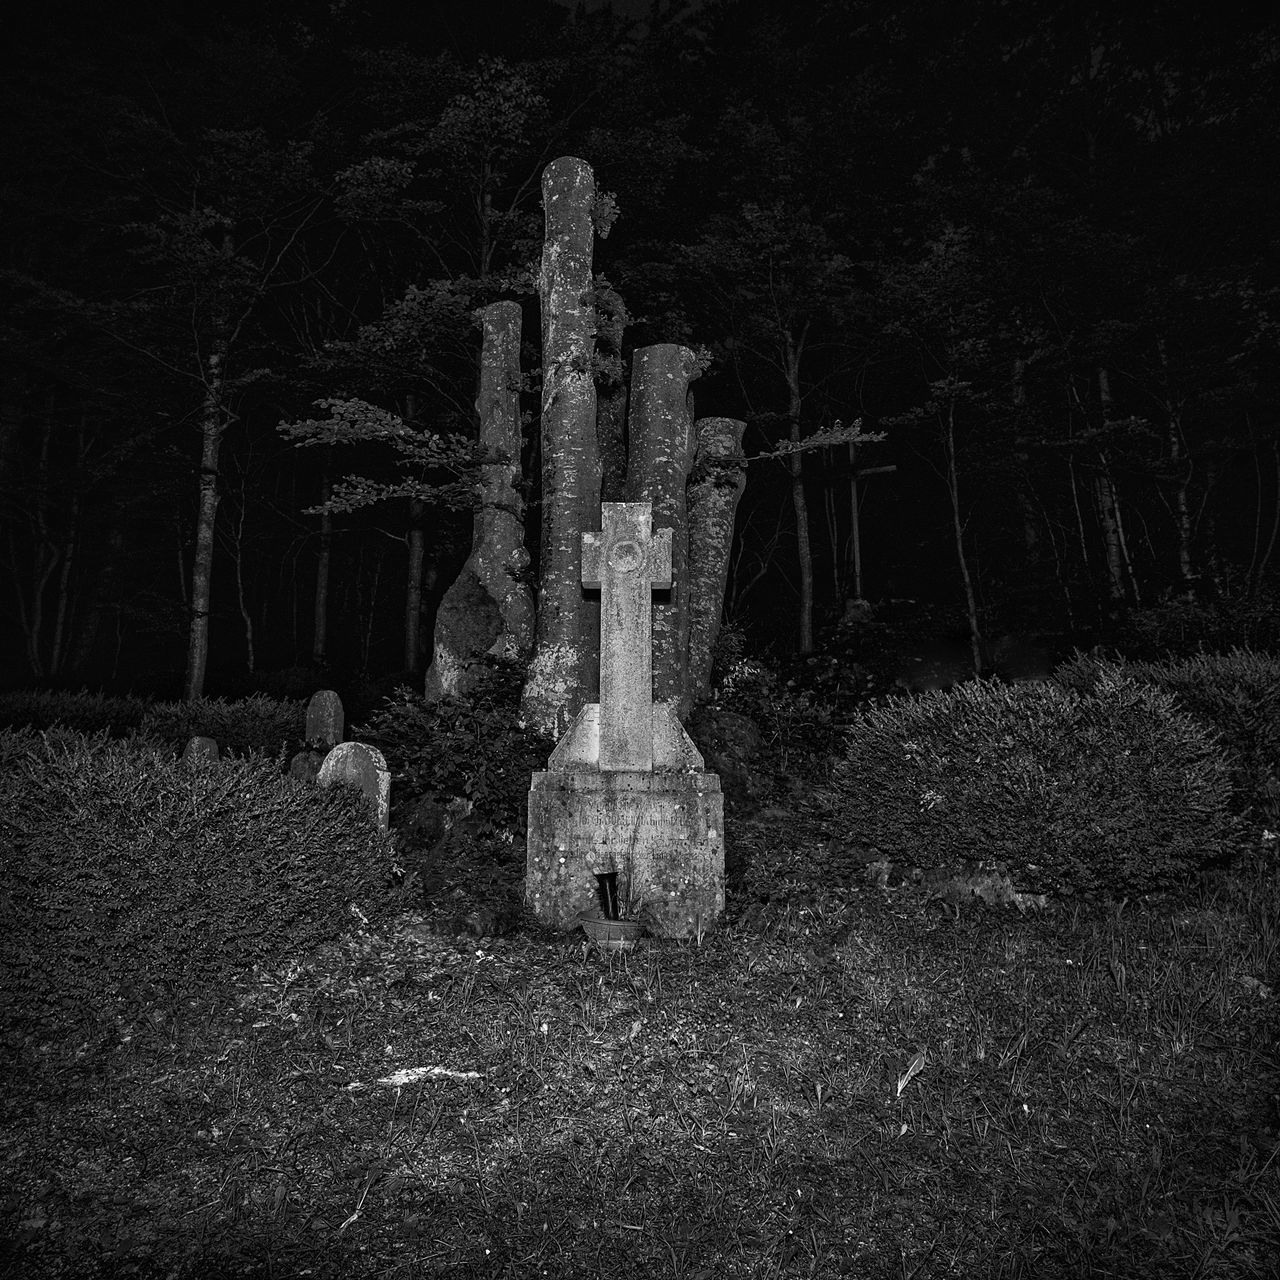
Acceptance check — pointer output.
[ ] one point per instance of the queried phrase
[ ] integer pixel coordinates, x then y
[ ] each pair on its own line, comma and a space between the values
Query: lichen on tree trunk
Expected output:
489, 609
212, 425
561, 676
661, 455
713, 495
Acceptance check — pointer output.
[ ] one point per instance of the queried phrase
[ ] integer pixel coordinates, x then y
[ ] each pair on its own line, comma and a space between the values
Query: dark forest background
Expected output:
1034, 245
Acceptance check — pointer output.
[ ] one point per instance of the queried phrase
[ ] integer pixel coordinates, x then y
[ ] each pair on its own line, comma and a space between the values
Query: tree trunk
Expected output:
245, 617
713, 505
1258, 561
1108, 514
1182, 478
489, 609
611, 406
320, 623
1104, 496
660, 445
855, 525
957, 525
212, 425
568, 629
1181, 505
799, 504
416, 540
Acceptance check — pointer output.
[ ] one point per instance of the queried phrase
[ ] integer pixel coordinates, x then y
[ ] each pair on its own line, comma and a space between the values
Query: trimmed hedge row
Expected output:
1113, 789
255, 724
131, 878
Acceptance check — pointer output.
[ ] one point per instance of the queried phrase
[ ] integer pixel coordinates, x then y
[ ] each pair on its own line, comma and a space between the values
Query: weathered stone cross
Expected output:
626, 561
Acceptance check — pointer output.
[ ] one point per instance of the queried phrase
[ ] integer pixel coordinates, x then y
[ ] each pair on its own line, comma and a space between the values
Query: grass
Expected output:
851, 1082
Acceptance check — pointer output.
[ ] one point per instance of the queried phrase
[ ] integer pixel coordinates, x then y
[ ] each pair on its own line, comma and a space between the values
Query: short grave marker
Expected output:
359, 765
199, 753
325, 722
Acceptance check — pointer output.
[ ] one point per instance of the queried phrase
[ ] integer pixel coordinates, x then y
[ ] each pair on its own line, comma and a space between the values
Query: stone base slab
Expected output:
662, 833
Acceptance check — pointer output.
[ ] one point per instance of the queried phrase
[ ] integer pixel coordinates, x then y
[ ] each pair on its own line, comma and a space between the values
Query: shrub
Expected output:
1235, 694
84, 711
134, 878
1112, 790
799, 726
470, 747
1184, 627
254, 724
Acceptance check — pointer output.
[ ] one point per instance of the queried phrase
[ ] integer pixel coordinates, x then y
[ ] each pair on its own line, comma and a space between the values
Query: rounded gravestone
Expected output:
356, 764
200, 753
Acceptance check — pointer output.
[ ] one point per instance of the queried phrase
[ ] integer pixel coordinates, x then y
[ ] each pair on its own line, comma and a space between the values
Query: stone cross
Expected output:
626, 561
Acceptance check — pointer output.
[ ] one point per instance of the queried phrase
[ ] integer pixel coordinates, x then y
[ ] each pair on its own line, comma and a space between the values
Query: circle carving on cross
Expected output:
626, 557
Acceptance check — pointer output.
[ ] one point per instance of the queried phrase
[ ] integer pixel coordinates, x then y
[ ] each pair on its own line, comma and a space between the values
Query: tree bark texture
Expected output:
489, 609
957, 528
660, 450
320, 620
799, 503
416, 540
713, 496
561, 675
1105, 499
611, 409
212, 425
804, 543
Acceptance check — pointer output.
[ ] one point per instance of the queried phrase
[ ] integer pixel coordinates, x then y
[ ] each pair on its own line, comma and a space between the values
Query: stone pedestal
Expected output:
661, 831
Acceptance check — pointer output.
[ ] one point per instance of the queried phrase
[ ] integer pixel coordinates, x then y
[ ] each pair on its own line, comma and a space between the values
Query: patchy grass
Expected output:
854, 1082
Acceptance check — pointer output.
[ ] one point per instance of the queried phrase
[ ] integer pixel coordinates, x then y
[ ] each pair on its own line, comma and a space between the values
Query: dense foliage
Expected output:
1111, 791
460, 783
134, 882
258, 723
1235, 695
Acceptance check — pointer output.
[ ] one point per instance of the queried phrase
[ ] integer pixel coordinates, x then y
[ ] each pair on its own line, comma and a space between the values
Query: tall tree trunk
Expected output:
957, 526
1105, 498
611, 400
792, 348
212, 425
1182, 477
568, 629
489, 608
660, 444
246, 618
1265, 558
416, 540
61, 614
1181, 503
1108, 507
854, 554
320, 620
718, 481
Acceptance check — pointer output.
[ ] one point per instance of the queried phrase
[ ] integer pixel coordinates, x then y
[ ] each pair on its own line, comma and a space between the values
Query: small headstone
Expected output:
305, 766
325, 718
200, 752
357, 764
